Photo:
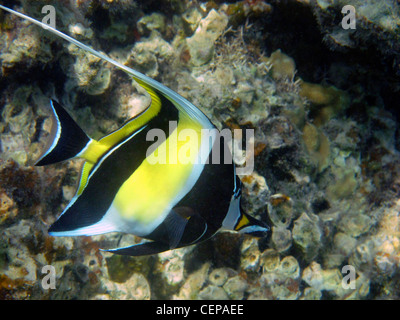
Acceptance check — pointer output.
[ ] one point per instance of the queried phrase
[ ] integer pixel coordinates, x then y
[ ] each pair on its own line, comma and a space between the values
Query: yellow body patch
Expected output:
151, 189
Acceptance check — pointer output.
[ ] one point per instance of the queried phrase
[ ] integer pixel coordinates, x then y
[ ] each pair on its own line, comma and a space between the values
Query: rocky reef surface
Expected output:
321, 99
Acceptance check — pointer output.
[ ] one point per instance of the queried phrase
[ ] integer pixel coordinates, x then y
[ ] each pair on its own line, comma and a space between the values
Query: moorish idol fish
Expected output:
172, 204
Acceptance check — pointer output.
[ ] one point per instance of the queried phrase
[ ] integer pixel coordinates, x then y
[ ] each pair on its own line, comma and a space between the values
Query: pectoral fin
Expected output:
175, 225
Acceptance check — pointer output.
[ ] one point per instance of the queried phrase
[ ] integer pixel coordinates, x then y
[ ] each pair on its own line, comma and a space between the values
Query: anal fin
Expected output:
141, 249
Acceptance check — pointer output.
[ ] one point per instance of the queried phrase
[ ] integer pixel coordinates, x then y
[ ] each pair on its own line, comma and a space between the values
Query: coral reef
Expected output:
326, 145
377, 22
201, 43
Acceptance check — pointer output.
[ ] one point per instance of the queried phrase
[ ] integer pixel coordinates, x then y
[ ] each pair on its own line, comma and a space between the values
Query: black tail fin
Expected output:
67, 138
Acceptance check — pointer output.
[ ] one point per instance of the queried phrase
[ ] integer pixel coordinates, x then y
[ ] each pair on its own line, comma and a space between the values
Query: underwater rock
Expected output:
172, 266
113, 22
270, 261
68, 192
355, 224
326, 102
281, 239
255, 193
387, 258
191, 18
288, 290
363, 255
311, 293
117, 32
281, 133
201, 44
120, 268
277, 270
280, 276
344, 243
361, 290
213, 293
128, 100
146, 55
5, 203
90, 72
245, 92
20, 185
289, 267
79, 31
261, 292
219, 276
330, 162
280, 210
381, 252
283, 71
13, 147
317, 145
154, 21
377, 26
134, 288
17, 289
21, 265
193, 284
20, 124
239, 11
250, 256
229, 73
236, 287
27, 49
7, 207
227, 249
18, 117
319, 279
344, 186
310, 137
307, 235
283, 66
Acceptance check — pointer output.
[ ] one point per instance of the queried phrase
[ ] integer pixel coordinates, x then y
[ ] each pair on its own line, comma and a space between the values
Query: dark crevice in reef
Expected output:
45, 76
293, 28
